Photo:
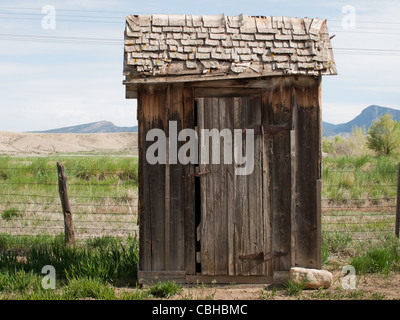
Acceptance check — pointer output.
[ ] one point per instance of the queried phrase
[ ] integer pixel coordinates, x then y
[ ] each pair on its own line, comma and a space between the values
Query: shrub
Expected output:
384, 136
10, 213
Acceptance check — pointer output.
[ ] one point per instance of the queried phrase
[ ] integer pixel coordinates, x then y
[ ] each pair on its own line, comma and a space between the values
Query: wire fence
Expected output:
103, 202
361, 204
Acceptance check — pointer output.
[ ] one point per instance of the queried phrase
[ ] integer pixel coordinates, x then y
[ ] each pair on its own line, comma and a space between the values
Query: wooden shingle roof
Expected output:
172, 48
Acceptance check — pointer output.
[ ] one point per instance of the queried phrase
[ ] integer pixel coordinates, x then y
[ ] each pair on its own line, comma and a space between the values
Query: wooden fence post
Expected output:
397, 227
62, 189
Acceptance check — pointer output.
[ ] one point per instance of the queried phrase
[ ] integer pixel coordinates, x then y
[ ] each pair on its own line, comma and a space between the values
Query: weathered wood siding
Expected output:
307, 231
284, 192
233, 217
166, 230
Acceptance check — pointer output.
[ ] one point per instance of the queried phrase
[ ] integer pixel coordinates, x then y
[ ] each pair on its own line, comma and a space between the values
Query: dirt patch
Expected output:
368, 287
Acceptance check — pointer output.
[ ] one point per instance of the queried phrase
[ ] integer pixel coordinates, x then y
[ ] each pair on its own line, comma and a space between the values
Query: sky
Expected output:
61, 62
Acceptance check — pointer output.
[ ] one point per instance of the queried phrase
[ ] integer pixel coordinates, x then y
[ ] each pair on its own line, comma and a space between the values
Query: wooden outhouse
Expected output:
255, 82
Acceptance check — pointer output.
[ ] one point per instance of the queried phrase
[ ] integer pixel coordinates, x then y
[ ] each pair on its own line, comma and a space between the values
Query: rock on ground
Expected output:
313, 278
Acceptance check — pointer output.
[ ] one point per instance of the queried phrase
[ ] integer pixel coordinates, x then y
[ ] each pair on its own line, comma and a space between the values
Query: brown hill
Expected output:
16, 143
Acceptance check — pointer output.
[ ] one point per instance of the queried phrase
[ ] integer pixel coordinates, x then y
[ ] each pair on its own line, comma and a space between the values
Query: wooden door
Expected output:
235, 224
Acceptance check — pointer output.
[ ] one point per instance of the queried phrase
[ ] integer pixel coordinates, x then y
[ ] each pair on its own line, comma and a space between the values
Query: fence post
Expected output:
62, 189
397, 227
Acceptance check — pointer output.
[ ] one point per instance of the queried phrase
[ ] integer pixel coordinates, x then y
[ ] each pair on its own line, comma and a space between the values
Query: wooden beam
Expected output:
212, 92
293, 198
189, 190
201, 77
293, 164
167, 235
263, 83
151, 277
319, 226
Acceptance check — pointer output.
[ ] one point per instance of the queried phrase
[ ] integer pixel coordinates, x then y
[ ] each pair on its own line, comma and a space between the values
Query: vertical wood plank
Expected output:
156, 180
219, 177
319, 226
189, 190
213, 183
309, 142
244, 187
293, 195
266, 183
281, 178
294, 168
203, 191
167, 238
230, 181
254, 186
144, 212
239, 196
177, 200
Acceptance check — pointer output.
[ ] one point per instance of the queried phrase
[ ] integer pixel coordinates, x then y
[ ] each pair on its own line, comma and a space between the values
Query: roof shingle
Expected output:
161, 45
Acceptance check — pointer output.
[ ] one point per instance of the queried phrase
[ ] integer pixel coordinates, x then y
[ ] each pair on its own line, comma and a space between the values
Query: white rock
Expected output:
313, 278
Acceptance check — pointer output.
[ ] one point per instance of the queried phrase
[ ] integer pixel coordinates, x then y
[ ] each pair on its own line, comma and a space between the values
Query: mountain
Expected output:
363, 120
94, 127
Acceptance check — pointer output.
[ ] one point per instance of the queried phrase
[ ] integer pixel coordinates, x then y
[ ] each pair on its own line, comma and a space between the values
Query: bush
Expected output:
10, 213
384, 136
353, 145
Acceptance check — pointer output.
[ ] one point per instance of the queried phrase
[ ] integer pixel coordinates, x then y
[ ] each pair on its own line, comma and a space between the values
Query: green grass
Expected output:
111, 261
10, 213
266, 294
85, 170
165, 289
293, 288
87, 287
95, 267
102, 194
336, 241
359, 178
380, 258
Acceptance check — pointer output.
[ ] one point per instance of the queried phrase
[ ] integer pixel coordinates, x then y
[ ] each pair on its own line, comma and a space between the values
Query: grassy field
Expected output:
358, 229
105, 269
359, 195
362, 179
102, 193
